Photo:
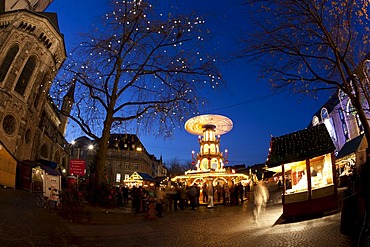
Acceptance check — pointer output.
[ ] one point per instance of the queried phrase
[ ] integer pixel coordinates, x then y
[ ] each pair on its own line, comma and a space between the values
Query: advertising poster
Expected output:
52, 186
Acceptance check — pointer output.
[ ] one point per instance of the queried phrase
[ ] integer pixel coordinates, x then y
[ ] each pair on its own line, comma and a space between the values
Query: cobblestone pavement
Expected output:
23, 224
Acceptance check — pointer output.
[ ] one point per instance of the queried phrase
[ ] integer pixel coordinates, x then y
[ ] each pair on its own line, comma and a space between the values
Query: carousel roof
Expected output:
198, 124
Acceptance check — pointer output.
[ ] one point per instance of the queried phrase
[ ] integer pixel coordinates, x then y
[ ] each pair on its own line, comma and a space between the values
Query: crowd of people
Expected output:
179, 196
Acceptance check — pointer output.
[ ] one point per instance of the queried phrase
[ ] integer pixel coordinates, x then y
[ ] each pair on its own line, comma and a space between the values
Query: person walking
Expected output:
261, 195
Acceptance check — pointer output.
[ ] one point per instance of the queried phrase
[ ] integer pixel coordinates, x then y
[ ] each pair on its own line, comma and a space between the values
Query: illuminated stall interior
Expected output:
352, 155
306, 160
209, 163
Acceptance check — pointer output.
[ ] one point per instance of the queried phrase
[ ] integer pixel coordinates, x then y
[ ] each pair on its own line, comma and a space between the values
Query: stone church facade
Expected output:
32, 51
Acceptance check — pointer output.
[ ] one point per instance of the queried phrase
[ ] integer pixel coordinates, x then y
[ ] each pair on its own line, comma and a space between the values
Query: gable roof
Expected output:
296, 146
350, 147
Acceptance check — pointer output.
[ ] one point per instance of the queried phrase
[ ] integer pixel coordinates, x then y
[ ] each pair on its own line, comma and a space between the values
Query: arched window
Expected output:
341, 95
25, 76
57, 157
315, 121
351, 110
44, 151
7, 62
324, 114
41, 78
344, 125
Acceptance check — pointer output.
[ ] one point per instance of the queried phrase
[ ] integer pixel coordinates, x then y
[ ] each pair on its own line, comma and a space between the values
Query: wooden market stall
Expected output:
139, 179
8, 168
306, 160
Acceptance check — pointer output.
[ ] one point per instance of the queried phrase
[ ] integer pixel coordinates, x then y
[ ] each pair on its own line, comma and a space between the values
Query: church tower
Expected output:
32, 51
68, 101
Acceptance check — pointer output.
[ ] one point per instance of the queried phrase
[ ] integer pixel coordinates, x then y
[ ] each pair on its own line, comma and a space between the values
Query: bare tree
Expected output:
175, 167
141, 70
313, 45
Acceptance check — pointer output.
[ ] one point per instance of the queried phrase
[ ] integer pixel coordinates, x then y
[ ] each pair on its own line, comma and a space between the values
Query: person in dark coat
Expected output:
365, 195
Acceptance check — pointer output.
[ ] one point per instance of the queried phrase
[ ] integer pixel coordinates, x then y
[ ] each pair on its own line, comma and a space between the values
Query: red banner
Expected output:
77, 167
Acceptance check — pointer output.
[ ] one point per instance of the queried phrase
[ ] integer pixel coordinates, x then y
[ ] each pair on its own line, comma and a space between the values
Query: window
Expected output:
57, 157
27, 136
341, 95
324, 114
118, 177
8, 60
359, 124
344, 125
9, 124
136, 166
351, 110
315, 121
41, 78
44, 151
25, 76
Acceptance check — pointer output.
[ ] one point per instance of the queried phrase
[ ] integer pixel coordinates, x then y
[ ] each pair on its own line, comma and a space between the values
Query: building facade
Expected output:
125, 155
345, 129
32, 51
31, 5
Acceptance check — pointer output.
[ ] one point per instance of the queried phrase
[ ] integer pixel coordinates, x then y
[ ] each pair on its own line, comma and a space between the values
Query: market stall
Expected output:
138, 179
38, 177
306, 160
8, 168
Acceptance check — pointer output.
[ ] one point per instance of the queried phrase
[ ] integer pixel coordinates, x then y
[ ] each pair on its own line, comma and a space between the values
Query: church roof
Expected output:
296, 146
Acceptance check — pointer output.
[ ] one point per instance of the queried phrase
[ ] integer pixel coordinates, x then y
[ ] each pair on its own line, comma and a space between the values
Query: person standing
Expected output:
125, 193
261, 195
197, 187
136, 199
161, 195
205, 193
219, 191
193, 197
210, 196
226, 196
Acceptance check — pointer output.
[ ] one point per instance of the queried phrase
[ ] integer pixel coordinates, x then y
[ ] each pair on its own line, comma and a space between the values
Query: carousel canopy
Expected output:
198, 124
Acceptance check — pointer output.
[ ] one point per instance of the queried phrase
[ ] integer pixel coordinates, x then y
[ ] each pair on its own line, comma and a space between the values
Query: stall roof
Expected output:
146, 176
350, 147
48, 169
143, 176
306, 143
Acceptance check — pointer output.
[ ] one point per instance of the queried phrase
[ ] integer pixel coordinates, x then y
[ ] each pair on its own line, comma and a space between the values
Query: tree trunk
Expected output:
364, 122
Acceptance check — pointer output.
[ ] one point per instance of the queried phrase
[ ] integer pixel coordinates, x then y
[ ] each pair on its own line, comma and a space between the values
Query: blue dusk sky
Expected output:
257, 112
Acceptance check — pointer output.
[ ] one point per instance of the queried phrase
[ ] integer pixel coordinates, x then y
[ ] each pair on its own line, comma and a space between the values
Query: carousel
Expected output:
209, 164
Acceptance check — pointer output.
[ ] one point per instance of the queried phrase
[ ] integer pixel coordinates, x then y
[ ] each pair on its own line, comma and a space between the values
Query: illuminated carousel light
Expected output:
198, 124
